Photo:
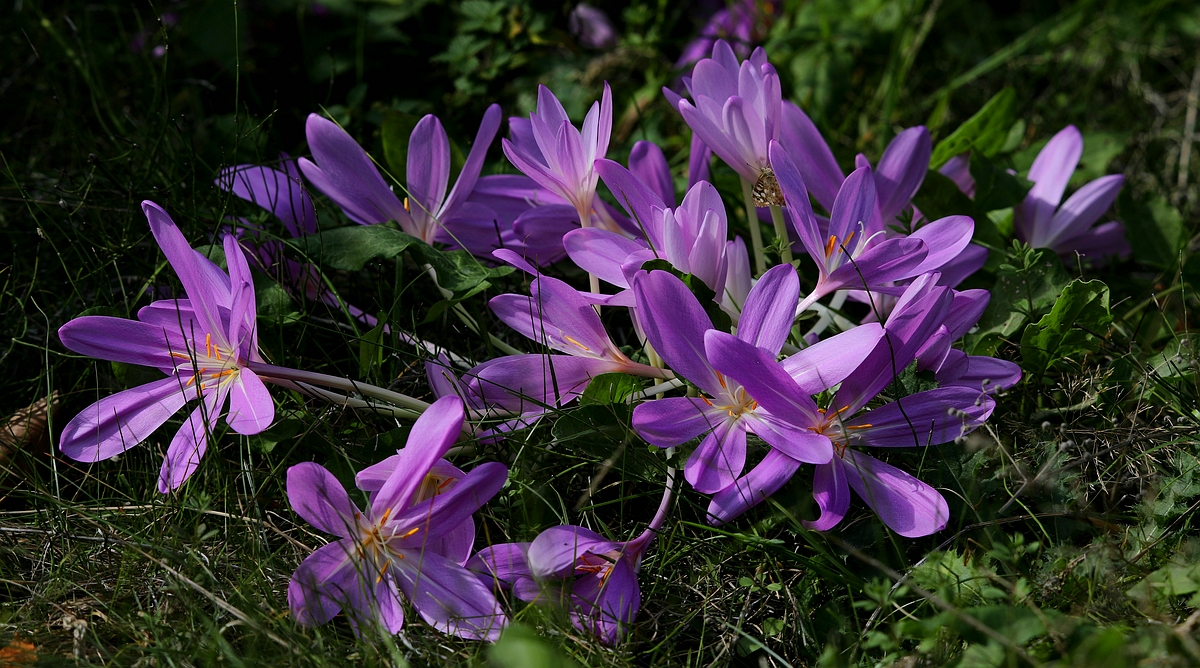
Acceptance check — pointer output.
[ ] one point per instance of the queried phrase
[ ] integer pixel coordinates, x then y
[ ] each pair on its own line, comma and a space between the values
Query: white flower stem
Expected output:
760, 261
270, 372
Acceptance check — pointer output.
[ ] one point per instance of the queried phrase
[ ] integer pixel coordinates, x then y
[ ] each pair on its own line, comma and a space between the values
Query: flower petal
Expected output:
122, 420
122, 340
910, 507
675, 324
555, 551
189, 443
607, 605
925, 418
320, 499
824, 364
319, 588
431, 436
671, 421
719, 459
251, 409
762, 481
901, 170
832, 494
449, 597
770, 309
1050, 173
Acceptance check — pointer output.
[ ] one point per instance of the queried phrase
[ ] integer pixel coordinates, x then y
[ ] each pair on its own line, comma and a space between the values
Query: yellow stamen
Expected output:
830, 245
382, 571
578, 344
411, 532
190, 381
386, 513
848, 238
707, 401
860, 426
406, 209
721, 379
208, 344
444, 483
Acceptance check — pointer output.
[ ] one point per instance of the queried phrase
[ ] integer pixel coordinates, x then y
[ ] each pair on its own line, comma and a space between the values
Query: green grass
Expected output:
1073, 539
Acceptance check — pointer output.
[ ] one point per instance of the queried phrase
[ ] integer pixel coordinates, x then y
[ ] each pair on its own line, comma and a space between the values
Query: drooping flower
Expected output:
343, 171
1071, 228
392, 549
202, 344
675, 324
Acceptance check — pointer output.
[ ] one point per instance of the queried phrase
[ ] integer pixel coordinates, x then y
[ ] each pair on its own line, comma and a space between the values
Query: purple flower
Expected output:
675, 325
1071, 228
550, 150
852, 256
344, 172
735, 109
591, 27
392, 549
907, 505
691, 237
564, 320
202, 344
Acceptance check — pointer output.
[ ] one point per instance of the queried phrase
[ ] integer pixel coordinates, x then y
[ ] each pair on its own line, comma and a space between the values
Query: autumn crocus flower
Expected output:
203, 344
392, 549
907, 505
343, 171
558, 316
550, 150
1071, 228
675, 325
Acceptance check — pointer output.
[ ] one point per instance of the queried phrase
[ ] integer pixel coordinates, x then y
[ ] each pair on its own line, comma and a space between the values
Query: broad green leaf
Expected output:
283, 430
271, 298
351, 248
1070, 328
985, 132
609, 388
457, 270
595, 422
1154, 229
1099, 149
940, 197
521, 647
995, 188
1020, 295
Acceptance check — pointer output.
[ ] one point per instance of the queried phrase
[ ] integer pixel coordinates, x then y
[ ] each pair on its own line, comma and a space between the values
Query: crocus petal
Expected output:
675, 324
762, 377
1079, 212
649, 165
521, 383
449, 597
634, 196
751, 489
553, 554
831, 491
854, 205
816, 162
1050, 173
432, 435
925, 418
251, 409
122, 420
769, 311
674, 420
889, 260
279, 192
205, 295
189, 443
1098, 243
945, 240
908, 506
796, 441
608, 605
502, 563
443, 513
826, 363
558, 316
719, 459
795, 194
986, 374
428, 168
901, 170
474, 162
345, 173
121, 340
243, 311
318, 589
321, 500
698, 160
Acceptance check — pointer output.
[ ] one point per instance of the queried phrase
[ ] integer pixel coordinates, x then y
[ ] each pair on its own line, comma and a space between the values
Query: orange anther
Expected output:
577, 344
830, 245
411, 532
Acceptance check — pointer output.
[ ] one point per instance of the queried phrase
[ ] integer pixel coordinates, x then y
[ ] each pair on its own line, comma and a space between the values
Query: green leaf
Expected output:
458, 270
351, 248
271, 299
995, 188
1070, 328
521, 647
396, 129
609, 388
1154, 229
283, 430
1099, 149
605, 422
370, 349
1020, 295
940, 197
986, 132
